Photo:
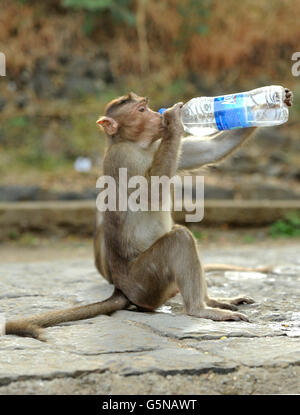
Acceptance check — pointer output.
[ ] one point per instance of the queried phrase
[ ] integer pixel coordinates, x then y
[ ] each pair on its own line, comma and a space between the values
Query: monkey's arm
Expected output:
196, 151
165, 160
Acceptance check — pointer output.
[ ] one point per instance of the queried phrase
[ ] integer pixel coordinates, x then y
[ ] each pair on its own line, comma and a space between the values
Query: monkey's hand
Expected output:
172, 122
288, 99
165, 159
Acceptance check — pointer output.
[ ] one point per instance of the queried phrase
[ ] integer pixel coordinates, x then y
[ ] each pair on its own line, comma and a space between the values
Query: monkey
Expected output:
145, 255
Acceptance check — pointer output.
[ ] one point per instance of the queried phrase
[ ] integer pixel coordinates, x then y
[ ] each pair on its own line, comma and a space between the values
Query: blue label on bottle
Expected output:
230, 112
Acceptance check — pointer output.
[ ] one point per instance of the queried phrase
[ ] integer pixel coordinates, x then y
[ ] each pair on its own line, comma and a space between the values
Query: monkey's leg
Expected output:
100, 254
171, 262
228, 303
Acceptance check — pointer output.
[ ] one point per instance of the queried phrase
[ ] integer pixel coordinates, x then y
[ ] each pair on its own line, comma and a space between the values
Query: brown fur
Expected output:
31, 326
148, 262
146, 256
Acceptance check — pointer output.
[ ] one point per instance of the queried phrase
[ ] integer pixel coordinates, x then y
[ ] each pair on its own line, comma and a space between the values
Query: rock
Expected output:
69, 217
2, 103
272, 170
21, 101
41, 79
35, 193
87, 194
217, 192
85, 76
76, 86
265, 191
277, 351
187, 327
71, 76
113, 334
25, 359
175, 361
99, 69
19, 193
24, 77
295, 173
278, 157
63, 58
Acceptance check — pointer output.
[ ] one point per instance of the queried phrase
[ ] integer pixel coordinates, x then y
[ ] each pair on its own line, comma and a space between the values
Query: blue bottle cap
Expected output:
162, 110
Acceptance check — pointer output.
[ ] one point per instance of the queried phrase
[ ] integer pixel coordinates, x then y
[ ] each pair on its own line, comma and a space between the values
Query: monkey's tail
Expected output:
32, 326
225, 267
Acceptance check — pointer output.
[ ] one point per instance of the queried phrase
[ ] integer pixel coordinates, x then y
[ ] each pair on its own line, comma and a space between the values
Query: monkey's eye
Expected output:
142, 109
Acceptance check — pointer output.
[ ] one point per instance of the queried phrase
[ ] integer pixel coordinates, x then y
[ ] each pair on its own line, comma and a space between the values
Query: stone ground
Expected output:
165, 352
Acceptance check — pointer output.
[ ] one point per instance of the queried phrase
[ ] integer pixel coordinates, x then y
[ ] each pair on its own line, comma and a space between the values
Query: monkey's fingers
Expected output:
174, 110
242, 300
172, 122
288, 97
217, 314
238, 316
220, 303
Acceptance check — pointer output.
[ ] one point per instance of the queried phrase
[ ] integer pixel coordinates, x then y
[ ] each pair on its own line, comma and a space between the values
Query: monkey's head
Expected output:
130, 118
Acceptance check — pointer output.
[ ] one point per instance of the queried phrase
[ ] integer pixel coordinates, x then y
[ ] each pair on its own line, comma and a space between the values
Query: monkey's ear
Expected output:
133, 96
109, 125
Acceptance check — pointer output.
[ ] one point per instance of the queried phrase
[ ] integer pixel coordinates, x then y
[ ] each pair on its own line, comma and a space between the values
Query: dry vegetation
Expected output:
166, 49
254, 37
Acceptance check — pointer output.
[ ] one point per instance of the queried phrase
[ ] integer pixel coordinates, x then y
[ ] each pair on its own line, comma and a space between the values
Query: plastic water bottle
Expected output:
263, 107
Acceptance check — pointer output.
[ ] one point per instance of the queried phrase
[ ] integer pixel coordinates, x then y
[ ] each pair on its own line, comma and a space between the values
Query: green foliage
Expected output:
195, 15
38, 158
13, 235
287, 227
92, 5
12, 129
249, 239
197, 235
17, 122
119, 9
28, 239
89, 24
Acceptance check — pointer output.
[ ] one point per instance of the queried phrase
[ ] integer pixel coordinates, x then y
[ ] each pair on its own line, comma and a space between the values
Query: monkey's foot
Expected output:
288, 97
229, 303
218, 315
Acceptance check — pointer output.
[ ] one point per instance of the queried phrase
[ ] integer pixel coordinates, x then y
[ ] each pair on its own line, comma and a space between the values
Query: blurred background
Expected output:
66, 59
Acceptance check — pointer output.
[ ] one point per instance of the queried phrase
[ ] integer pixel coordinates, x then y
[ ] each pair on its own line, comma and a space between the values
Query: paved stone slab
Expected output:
22, 360
186, 327
131, 343
103, 334
26, 288
254, 352
174, 361
26, 358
